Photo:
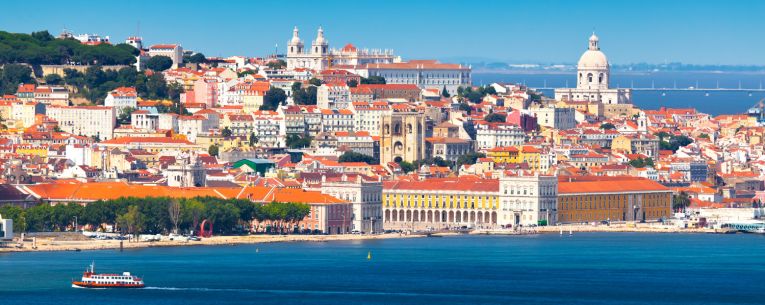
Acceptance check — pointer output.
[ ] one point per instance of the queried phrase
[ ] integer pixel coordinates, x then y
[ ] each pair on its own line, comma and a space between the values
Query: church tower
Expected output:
295, 45
320, 46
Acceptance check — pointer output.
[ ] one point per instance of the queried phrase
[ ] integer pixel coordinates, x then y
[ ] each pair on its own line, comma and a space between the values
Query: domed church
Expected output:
593, 75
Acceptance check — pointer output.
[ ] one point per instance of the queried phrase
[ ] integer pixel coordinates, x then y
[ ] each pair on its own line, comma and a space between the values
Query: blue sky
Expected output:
700, 32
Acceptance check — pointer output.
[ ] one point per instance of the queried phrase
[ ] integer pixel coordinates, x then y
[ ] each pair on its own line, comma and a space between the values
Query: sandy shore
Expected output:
56, 244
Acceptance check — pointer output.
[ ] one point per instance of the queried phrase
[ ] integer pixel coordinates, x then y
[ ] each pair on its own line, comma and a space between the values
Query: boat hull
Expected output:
77, 284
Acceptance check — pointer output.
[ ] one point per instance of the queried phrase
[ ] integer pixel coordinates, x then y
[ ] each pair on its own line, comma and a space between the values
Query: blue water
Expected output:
586, 268
705, 101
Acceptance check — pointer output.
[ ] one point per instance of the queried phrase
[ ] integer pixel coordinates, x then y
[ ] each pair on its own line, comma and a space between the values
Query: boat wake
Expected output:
314, 292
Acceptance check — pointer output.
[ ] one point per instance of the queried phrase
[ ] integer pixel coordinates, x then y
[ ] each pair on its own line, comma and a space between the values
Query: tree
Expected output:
253, 139
465, 107
12, 75
315, 81
174, 211
681, 201
276, 64
373, 80
296, 141
213, 150
274, 98
53, 79
226, 132
125, 116
704, 136
470, 158
197, 58
495, 117
607, 126
445, 93
132, 221
406, 167
352, 156
352, 83
159, 63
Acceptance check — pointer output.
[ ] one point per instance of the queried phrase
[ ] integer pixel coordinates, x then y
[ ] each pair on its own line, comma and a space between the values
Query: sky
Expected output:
651, 31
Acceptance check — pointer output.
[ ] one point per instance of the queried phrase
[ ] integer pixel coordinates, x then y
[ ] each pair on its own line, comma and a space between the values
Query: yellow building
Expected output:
31, 150
613, 199
440, 203
516, 154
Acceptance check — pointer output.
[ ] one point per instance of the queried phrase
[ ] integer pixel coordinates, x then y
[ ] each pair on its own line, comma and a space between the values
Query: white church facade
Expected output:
592, 80
320, 57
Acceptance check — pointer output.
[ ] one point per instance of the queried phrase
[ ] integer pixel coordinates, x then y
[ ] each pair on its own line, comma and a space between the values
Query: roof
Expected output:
460, 184
619, 185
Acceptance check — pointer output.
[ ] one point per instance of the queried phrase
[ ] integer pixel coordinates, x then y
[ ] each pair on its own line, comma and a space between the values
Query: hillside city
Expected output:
103, 135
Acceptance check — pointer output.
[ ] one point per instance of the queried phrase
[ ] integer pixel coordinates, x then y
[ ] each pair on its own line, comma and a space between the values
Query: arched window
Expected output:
409, 128
589, 77
600, 78
397, 129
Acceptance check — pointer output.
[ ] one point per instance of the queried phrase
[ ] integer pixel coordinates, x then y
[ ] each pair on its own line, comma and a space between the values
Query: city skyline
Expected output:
515, 32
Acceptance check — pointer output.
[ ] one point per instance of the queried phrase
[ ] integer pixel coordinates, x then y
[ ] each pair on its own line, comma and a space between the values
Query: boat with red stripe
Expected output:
107, 280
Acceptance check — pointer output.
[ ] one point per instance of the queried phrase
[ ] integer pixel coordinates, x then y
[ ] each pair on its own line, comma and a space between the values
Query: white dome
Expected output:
295, 38
593, 59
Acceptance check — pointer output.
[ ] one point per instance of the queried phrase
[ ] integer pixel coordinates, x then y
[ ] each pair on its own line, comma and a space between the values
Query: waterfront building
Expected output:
365, 196
592, 80
527, 200
595, 199
440, 203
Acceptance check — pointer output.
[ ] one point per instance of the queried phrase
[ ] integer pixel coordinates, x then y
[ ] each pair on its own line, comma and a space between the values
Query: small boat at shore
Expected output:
92, 280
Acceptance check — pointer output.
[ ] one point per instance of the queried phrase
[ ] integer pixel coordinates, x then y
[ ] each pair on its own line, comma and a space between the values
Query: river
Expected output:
712, 102
585, 268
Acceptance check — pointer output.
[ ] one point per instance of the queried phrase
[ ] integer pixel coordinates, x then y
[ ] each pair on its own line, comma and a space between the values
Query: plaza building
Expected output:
365, 196
595, 199
592, 80
440, 203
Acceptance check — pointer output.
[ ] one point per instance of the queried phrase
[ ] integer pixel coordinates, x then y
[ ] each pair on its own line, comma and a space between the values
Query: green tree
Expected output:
295, 141
253, 139
53, 79
11, 75
132, 221
197, 58
407, 167
213, 150
159, 63
351, 156
315, 81
495, 117
276, 64
445, 93
373, 80
124, 117
470, 158
607, 126
274, 98
681, 201
465, 107
352, 83
226, 132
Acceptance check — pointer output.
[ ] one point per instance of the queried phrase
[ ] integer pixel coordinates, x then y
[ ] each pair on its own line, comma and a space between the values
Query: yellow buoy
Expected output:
369, 255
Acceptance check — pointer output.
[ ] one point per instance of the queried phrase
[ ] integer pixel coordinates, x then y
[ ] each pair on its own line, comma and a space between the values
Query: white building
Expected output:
333, 96
174, 51
122, 99
91, 121
365, 197
6, 228
79, 154
489, 136
368, 116
554, 117
592, 80
24, 113
528, 200
187, 172
319, 57
427, 74
144, 120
